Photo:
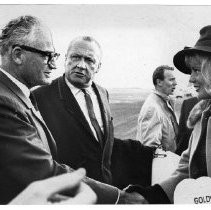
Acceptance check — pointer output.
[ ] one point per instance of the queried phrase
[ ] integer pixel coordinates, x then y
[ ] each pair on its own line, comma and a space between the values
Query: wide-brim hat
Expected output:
203, 46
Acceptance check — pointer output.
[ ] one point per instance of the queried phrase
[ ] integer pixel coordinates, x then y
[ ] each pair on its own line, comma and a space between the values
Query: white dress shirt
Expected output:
79, 96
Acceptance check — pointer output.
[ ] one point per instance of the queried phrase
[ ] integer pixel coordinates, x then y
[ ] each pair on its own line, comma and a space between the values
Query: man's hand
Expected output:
47, 191
131, 198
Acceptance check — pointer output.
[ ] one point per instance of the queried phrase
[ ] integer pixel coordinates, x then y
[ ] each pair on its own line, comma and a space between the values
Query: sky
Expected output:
135, 38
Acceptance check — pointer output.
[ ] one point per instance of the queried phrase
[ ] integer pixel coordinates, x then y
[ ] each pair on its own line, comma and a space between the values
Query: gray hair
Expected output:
88, 39
17, 31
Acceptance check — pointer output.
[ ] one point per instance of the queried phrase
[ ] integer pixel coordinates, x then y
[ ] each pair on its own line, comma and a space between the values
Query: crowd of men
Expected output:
47, 134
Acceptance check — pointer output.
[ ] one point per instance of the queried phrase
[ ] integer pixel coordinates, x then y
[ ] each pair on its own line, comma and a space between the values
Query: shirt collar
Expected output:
76, 90
23, 87
163, 95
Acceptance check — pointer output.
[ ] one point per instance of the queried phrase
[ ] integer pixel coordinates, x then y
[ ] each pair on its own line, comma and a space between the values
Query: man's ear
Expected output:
159, 82
98, 67
17, 55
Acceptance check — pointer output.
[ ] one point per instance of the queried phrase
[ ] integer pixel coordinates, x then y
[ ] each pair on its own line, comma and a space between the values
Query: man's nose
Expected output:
81, 64
192, 78
52, 64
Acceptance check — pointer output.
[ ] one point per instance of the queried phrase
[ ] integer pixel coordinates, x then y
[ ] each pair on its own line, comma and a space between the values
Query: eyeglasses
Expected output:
52, 56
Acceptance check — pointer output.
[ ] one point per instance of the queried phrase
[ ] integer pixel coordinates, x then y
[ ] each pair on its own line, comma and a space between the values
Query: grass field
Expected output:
125, 107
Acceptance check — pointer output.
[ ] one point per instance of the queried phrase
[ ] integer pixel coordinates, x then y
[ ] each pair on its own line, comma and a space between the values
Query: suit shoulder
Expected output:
190, 100
46, 88
9, 101
101, 88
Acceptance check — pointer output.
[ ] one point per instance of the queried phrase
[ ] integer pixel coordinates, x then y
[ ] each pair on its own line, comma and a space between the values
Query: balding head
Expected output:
83, 61
88, 39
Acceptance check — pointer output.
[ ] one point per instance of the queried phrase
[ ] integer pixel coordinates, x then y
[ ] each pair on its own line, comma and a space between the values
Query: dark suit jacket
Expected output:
184, 132
77, 146
27, 149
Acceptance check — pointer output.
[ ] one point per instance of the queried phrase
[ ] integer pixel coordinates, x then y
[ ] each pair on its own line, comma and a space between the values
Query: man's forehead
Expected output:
84, 47
169, 73
43, 38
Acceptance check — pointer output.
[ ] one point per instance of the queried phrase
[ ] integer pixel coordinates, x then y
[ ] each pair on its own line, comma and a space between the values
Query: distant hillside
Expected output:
125, 107
126, 95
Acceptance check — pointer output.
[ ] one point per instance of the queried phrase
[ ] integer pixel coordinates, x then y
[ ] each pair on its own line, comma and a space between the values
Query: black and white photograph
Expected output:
105, 103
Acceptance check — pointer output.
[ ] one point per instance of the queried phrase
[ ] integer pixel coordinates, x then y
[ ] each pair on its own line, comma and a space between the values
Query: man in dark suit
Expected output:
27, 148
65, 107
184, 132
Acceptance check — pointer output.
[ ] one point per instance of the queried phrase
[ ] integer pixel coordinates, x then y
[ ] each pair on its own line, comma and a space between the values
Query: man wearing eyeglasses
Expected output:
27, 148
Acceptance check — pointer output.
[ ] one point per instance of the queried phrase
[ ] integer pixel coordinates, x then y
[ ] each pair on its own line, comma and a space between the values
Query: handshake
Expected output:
49, 191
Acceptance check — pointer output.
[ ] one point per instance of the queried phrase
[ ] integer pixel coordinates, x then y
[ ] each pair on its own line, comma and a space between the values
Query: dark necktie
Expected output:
92, 117
33, 100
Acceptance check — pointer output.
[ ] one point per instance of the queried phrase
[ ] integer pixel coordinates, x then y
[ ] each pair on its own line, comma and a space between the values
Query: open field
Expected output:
125, 107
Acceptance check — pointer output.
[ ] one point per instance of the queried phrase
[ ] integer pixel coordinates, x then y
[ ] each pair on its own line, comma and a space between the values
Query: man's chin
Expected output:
45, 82
80, 84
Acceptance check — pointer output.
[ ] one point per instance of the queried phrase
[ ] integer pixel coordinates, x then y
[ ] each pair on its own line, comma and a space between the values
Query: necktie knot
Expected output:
83, 90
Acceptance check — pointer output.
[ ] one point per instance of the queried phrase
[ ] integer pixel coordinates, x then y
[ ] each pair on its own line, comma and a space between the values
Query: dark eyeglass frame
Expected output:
51, 55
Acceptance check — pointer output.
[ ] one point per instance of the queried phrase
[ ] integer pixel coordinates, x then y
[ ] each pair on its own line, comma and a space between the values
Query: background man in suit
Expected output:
77, 112
157, 124
27, 148
183, 131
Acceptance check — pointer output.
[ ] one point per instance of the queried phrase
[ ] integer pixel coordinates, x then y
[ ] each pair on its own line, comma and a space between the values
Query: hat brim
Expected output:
179, 58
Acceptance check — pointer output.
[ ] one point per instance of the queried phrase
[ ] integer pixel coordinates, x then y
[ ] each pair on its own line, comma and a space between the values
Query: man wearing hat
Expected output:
195, 162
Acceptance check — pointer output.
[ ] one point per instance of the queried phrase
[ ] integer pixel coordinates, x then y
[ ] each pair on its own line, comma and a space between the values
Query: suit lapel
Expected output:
108, 131
71, 105
26, 101
51, 143
15, 89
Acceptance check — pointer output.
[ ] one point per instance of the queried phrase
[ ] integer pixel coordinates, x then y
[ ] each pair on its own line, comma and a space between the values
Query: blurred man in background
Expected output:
157, 124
